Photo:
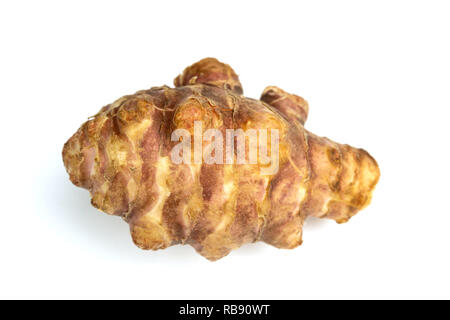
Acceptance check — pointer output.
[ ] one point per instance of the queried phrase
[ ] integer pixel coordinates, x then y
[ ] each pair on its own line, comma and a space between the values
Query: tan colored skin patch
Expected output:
121, 155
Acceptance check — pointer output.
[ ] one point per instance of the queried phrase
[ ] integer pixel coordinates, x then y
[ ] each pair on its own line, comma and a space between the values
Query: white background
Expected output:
376, 75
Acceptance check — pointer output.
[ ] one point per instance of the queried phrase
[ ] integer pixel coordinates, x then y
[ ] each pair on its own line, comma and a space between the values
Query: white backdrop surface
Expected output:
376, 75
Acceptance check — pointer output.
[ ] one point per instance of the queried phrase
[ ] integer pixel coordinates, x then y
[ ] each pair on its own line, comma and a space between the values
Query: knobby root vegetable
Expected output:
122, 155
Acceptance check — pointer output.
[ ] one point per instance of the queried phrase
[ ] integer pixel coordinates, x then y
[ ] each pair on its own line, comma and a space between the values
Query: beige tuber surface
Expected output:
122, 155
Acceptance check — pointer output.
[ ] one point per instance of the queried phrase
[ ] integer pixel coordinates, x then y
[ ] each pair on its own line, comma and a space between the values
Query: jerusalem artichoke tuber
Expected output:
124, 157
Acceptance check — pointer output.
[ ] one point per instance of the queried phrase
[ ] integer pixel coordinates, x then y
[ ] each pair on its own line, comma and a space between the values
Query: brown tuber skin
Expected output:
122, 156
